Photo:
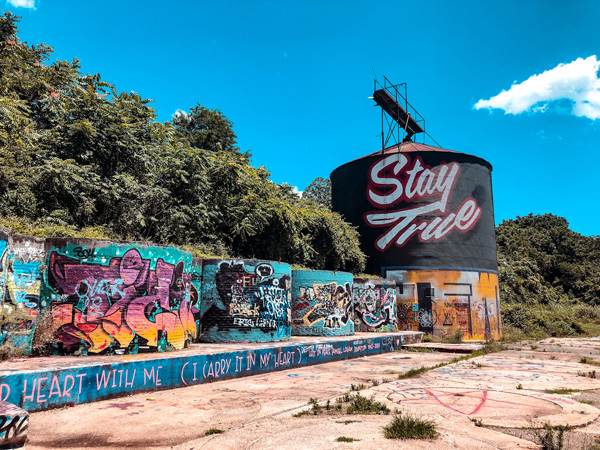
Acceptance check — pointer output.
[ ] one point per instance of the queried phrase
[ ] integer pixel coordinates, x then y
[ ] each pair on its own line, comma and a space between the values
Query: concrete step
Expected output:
37, 384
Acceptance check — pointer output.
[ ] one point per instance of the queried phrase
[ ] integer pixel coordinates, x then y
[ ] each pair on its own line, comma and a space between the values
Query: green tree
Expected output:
319, 190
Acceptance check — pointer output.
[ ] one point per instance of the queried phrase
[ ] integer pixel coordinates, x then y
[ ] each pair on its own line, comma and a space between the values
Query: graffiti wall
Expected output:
322, 303
106, 297
374, 304
245, 301
196, 290
439, 302
21, 263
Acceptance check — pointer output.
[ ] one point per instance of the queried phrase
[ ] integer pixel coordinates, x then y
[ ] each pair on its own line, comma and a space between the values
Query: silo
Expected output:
245, 301
322, 303
426, 220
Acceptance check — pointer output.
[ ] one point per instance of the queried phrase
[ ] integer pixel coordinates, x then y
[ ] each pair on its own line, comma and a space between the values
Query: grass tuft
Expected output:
409, 427
364, 405
211, 431
346, 439
560, 391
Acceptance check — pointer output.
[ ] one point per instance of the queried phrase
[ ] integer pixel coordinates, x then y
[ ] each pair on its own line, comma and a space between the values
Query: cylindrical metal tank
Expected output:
245, 301
425, 218
321, 303
374, 302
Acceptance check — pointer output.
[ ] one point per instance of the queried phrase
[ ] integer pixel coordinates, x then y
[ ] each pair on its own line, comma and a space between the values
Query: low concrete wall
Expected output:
321, 303
14, 423
245, 301
374, 302
21, 270
81, 382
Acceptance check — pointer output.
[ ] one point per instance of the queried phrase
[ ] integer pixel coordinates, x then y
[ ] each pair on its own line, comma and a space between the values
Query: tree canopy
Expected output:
549, 276
75, 153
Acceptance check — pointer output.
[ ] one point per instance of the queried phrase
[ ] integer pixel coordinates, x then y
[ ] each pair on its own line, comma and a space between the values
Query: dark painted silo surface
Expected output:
419, 206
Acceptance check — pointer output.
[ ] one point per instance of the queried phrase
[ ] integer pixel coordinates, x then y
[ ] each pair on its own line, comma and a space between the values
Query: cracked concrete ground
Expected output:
489, 402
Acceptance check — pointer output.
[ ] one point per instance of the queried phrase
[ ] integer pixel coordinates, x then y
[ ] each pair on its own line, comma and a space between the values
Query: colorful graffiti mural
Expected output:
21, 262
245, 301
374, 304
119, 298
439, 302
322, 303
196, 289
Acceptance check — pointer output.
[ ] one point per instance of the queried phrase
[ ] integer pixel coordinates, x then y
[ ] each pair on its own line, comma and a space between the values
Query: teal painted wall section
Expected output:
113, 297
195, 294
245, 301
374, 302
322, 303
21, 266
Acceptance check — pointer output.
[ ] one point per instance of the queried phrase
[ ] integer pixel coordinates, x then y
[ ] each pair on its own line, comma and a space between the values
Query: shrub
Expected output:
409, 427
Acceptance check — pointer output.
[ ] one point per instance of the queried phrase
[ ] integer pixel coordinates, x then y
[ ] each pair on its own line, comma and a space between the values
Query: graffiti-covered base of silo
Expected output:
322, 303
106, 297
374, 304
245, 301
440, 302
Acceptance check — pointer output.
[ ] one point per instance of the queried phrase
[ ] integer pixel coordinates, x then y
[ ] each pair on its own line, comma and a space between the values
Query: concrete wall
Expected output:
21, 268
52, 387
374, 302
440, 302
196, 290
245, 301
322, 303
112, 297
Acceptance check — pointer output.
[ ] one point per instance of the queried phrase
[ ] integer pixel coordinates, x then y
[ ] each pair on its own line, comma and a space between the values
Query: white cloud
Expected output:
179, 112
296, 191
575, 84
22, 3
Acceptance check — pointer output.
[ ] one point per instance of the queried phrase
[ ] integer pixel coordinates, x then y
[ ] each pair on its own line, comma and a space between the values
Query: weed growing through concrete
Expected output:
491, 347
455, 338
591, 374
477, 422
348, 403
552, 438
409, 427
364, 405
561, 391
211, 431
346, 439
586, 360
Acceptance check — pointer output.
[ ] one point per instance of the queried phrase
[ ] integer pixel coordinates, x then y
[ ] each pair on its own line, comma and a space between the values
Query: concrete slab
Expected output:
508, 389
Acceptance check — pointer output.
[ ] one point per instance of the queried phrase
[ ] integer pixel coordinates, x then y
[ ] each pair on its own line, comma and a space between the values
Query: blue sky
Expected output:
295, 78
